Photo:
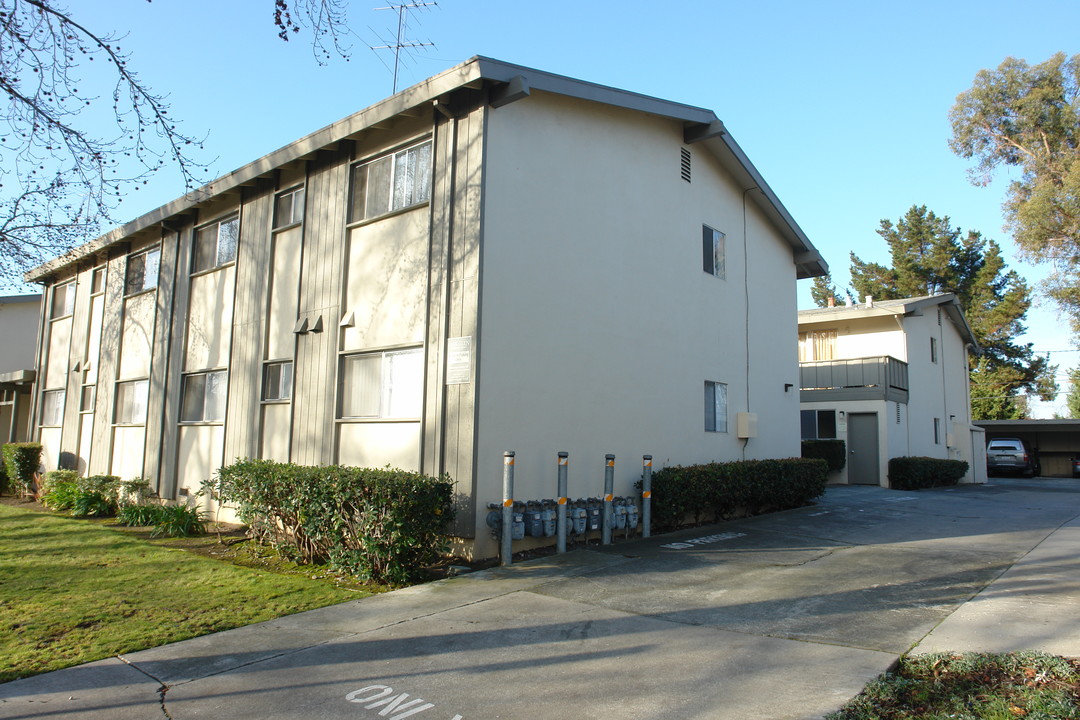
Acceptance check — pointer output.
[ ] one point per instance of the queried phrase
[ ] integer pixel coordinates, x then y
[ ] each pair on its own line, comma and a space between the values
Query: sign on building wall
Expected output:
459, 360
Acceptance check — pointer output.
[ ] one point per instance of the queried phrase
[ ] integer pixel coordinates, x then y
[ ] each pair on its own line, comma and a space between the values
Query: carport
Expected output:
1053, 442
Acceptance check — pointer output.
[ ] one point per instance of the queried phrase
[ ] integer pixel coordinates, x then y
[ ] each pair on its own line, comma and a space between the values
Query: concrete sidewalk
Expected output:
780, 616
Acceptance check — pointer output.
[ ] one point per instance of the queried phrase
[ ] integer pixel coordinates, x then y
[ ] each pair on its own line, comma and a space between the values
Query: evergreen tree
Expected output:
930, 257
1072, 400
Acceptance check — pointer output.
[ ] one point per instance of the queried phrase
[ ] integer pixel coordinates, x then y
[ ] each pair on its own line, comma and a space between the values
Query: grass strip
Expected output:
73, 591
971, 686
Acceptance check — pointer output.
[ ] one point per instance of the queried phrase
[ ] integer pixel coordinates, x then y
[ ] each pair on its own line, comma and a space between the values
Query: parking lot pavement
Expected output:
779, 616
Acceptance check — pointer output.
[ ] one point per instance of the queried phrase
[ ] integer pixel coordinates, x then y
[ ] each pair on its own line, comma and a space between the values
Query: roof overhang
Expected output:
907, 306
504, 83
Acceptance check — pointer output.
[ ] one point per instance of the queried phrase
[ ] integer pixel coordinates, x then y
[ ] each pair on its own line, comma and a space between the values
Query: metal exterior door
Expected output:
862, 448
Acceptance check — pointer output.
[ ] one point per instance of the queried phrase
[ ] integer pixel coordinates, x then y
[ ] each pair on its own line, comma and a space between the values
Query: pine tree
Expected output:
929, 256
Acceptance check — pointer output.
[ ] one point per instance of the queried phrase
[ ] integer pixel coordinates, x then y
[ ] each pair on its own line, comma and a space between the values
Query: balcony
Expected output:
869, 378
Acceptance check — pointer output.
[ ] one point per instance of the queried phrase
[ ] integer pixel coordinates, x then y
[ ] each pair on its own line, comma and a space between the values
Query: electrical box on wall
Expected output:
746, 425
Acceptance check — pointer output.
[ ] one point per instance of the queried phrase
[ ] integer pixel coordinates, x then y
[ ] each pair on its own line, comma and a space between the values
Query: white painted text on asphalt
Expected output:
393, 706
683, 545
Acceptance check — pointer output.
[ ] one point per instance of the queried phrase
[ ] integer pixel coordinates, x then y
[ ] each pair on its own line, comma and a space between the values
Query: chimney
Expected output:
869, 301
832, 301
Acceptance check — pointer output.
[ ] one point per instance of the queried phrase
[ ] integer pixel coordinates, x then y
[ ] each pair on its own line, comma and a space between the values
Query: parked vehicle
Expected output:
1009, 455
1076, 467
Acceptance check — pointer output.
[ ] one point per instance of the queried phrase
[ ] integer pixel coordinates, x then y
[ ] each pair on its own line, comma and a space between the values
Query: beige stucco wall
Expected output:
598, 325
138, 336
19, 317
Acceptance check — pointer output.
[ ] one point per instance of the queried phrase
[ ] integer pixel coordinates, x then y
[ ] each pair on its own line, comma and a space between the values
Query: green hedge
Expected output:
719, 490
382, 524
21, 463
93, 496
834, 452
4, 484
913, 473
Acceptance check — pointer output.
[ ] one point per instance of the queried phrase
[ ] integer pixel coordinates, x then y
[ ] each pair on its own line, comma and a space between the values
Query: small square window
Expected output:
142, 271
715, 407
97, 281
52, 408
277, 381
204, 397
712, 251
63, 301
87, 398
818, 424
289, 208
131, 397
215, 244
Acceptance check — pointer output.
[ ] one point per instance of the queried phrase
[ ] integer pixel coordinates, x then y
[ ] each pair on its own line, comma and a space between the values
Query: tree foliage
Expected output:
61, 180
928, 257
1072, 399
1028, 118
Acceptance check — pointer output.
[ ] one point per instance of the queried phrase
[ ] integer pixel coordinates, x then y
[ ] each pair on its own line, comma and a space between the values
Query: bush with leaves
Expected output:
715, 491
834, 452
914, 473
94, 496
178, 521
380, 524
21, 462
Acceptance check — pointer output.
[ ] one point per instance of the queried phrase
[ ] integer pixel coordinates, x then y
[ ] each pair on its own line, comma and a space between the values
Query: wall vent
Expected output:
685, 164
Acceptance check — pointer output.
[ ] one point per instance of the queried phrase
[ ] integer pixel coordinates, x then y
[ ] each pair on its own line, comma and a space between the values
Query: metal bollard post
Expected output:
560, 509
507, 552
609, 490
646, 495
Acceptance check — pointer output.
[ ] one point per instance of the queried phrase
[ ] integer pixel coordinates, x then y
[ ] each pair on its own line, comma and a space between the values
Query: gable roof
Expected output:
504, 83
885, 308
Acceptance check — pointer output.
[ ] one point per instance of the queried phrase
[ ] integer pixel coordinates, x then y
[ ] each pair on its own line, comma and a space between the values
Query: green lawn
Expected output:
74, 591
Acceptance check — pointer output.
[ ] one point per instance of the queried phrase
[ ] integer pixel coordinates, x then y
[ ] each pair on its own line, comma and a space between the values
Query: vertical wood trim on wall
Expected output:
315, 367
243, 417
80, 329
170, 436
112, 324
160, 353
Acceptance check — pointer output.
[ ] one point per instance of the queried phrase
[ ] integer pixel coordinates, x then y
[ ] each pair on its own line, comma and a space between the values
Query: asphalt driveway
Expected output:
780, 616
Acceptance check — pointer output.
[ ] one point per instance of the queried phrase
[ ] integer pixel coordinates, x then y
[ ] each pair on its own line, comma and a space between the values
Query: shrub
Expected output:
135, 491
131, 515
913, 473
381, 524
834, 452
4, 484
177, 521
719, 490
21, 462
94, 496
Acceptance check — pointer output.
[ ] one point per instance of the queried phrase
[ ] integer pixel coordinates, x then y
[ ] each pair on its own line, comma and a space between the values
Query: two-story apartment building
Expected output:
890, 377
495, 259
19, 320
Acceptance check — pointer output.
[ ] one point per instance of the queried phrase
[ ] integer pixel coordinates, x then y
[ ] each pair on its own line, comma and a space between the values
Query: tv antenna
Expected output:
400, 43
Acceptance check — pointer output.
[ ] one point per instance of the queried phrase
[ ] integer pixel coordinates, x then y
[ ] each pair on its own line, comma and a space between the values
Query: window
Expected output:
142, 271
63, 301
277, 381
131, 402
817, 345
52, 408
215, 244
289, 208
391, 183
715, 407
818, 424
937, 431
383, 385
87, 398
712, 251
933, 350
97, 281
204, 397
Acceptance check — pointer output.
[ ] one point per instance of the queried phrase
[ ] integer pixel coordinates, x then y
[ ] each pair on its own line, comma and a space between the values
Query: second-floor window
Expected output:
817, 345
142, 271
712, 252
392, 182
215, 244
63, 301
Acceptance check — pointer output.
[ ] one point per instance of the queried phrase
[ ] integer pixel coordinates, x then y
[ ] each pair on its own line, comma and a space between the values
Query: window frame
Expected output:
287, 386
218, 262
122, 418
83, 409
714, 252
58, 408
96, 287
817, 416
713, 405
386, 392
68, 308
144, 254
298, 199
357, 215
206, 396
933, 350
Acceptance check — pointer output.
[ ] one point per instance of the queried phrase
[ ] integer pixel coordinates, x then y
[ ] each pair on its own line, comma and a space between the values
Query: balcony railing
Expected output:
869, 378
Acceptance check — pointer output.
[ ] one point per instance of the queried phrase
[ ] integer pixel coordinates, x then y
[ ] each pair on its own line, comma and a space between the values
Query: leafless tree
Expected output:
62, 179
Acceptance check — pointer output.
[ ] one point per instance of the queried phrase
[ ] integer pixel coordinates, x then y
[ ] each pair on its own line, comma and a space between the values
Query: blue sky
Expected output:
842, 106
